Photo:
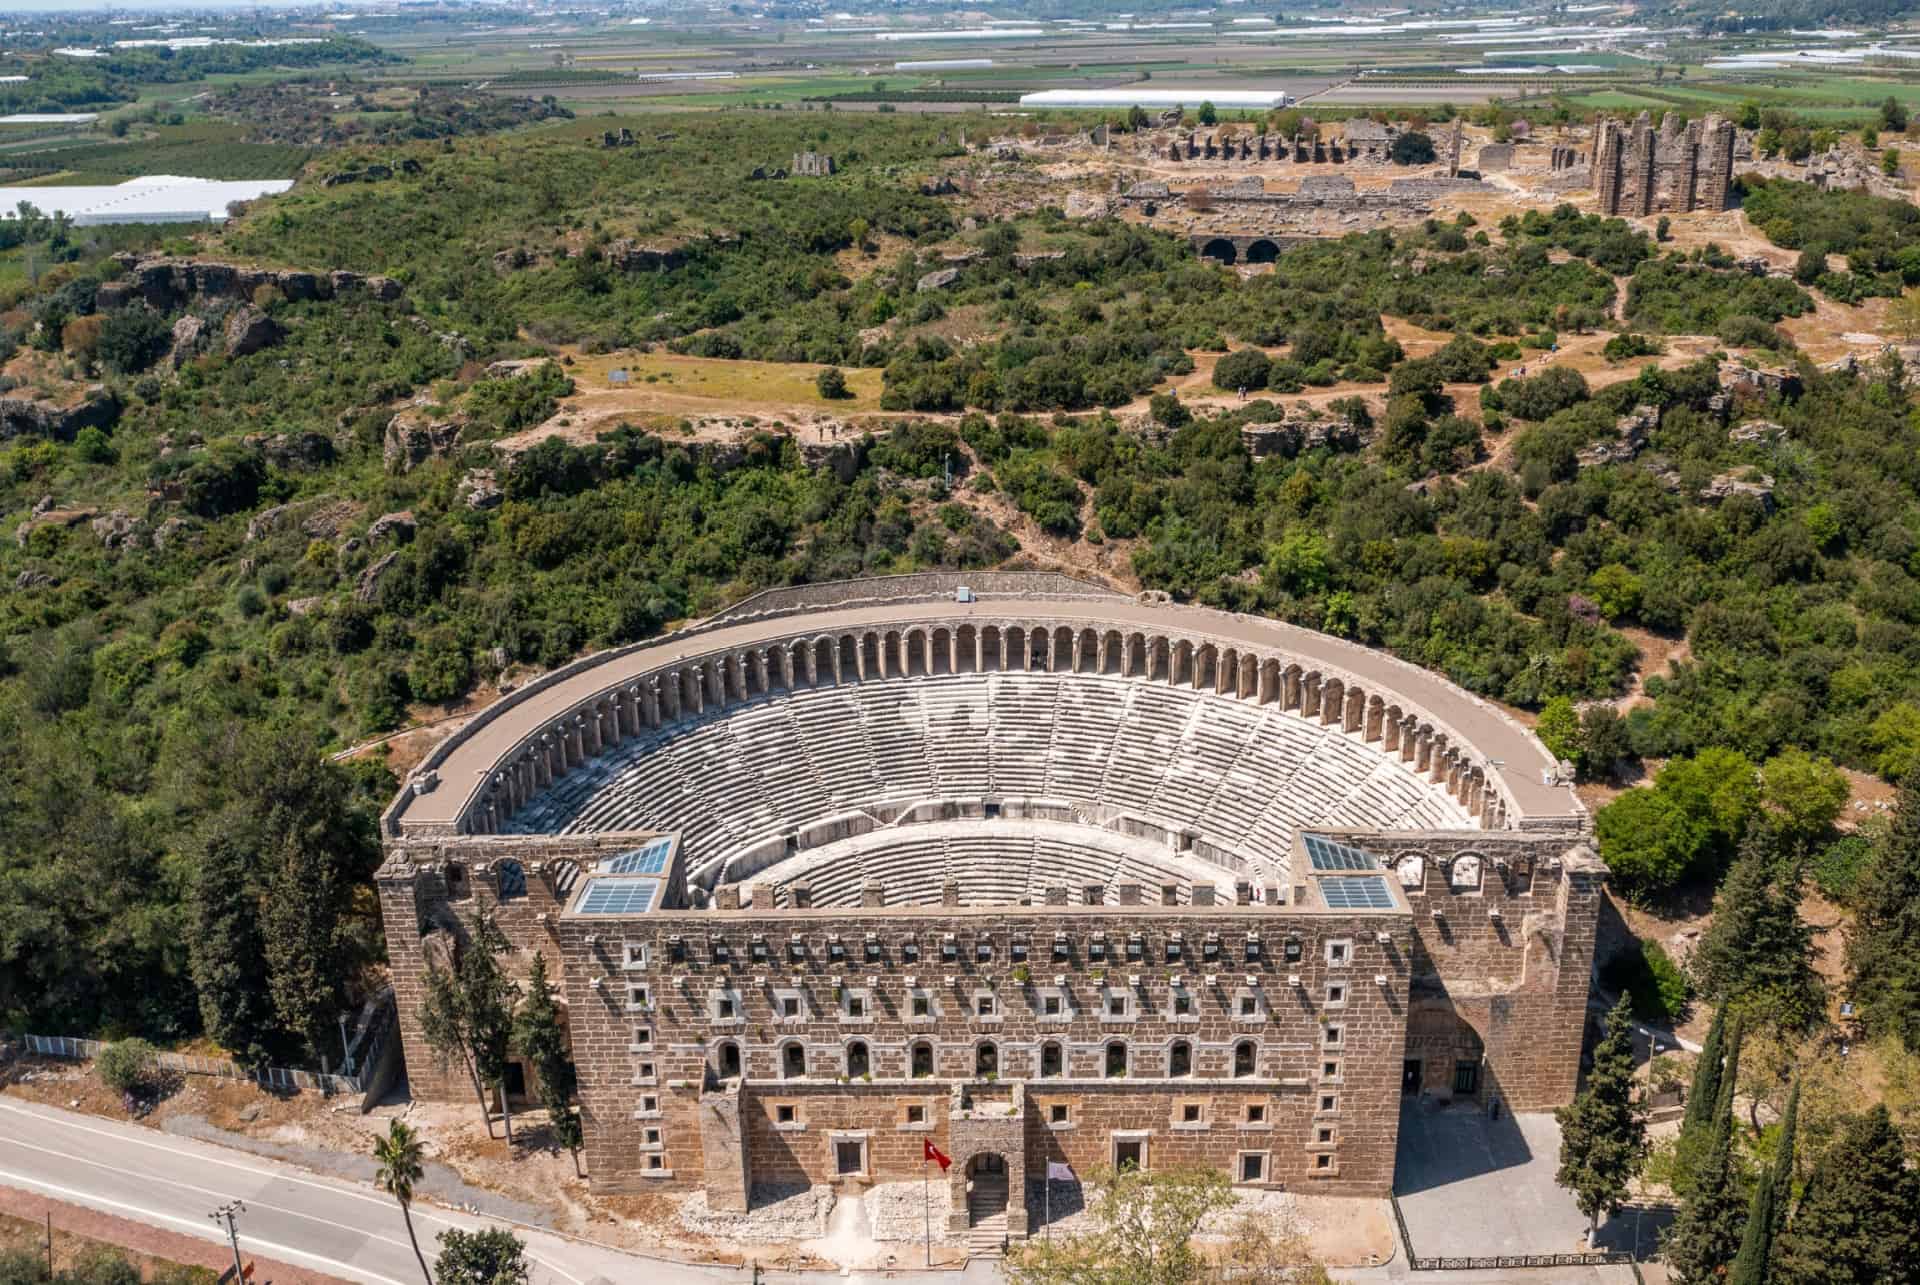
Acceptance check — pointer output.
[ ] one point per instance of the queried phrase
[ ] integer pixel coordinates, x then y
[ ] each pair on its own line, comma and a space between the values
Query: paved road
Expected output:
341, 1228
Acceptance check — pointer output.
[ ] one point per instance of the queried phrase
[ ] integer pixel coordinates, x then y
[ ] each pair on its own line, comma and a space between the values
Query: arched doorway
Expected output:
1220, 249
1262, 251
987, 1203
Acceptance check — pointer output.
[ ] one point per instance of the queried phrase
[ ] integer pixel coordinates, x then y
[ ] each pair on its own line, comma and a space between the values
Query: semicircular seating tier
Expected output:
1237, 778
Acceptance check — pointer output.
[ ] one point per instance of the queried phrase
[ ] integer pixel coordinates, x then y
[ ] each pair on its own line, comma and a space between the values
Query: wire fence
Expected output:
276, 1079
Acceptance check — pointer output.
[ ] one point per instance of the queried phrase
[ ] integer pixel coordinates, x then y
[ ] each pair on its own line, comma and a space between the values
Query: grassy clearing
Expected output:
708, 378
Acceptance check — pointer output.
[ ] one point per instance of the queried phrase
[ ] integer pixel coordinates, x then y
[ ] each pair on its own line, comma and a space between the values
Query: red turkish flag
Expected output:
934, 1154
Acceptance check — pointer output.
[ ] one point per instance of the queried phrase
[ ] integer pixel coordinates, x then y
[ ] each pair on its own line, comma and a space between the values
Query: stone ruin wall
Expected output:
1678, 169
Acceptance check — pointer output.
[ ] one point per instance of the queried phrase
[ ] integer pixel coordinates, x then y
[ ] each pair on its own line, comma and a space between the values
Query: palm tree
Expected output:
398, 1155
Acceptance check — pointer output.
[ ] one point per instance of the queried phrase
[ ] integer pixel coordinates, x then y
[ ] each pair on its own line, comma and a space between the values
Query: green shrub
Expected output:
1648, 976
1837, 868
1242, 368
128, 1066
1628, 346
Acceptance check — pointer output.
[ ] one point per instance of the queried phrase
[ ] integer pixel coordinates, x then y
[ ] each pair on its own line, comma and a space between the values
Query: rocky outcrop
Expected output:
188, 332
114, 529
249, 330
171, 532
1293, 437
366, 586
413, 438
479, 490
48, 516
1728, 485
293, 450
1089, 205
399, 526
170, 283
22, 414
1756, 430
937, 280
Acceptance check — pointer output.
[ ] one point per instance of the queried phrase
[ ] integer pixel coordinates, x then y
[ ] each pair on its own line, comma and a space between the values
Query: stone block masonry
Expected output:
937, 876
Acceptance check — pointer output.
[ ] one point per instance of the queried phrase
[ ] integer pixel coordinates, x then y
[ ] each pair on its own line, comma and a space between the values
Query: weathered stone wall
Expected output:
1294, 1056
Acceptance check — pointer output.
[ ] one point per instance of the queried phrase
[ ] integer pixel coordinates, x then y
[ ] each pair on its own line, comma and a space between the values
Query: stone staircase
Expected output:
987, 1216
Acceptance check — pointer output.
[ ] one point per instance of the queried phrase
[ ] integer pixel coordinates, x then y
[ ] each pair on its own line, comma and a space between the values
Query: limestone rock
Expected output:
939, 280
1727, 485
412, 439
24, 414
293, 450
479, 490
267, 521
187, 335
115, 529
304, 606
249, 330
1756, 430
366, 587
399, 525
384, 289
171, 532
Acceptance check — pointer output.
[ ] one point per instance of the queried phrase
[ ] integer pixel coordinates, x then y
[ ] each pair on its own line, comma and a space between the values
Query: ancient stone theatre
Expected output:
1026, 867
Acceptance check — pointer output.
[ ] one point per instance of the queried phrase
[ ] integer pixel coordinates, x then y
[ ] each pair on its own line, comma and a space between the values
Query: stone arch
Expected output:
1159, 659
992, 649
942, 658
922, 1060
1206, 661
856, 1059
1136, 656
1052, 1063
1227, 681
986, 1059
1291, 684
1221, 249
917, 661
966, 650
892, 656
1116, 1059
1333, 701
1263, 251
1310, 694
1249, 677
1180, 1059
509, 880
848, 658
1114, 661
1086, 658
872, 659
1246, 1058
1269, 681
1014, 648
824, 670
1061, 656
728, 1062
791, 1059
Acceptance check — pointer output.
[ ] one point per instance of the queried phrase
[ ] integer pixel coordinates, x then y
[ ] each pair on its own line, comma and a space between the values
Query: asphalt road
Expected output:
330, 1225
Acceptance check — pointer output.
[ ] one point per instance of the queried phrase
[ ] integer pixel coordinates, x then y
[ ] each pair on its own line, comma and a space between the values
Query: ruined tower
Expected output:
1638, 179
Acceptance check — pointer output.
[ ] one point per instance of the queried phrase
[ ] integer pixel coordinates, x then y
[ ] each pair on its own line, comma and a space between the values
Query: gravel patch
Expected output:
897, 1211
1278, 1209
440, 1183
1072, 1216
778, 1215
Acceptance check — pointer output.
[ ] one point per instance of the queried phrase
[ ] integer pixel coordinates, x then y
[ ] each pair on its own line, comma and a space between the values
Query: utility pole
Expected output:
226, 1214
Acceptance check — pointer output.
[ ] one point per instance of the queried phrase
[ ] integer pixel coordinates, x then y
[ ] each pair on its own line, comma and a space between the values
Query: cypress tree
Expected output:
226, 951
1883, 950
1857, 1223
1753, 1265
1706, 1236
537, 1034
1758, 948
1704, 1093
1603, 1132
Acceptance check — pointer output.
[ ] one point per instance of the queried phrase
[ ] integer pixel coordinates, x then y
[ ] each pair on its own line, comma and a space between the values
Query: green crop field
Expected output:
187, 157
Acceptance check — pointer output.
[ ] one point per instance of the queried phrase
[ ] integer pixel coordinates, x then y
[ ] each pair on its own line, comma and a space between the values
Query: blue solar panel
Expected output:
648, 860
1367, 892
1326, 854
625, 896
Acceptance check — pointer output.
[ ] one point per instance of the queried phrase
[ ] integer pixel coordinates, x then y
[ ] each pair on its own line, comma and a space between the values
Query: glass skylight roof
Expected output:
648, 859
1327, 854
624, 895
1357, 892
